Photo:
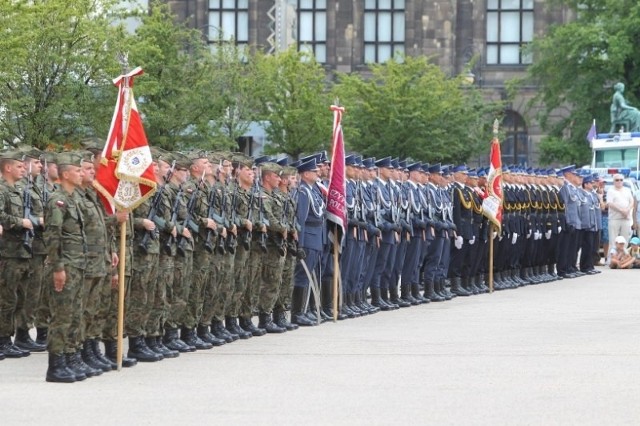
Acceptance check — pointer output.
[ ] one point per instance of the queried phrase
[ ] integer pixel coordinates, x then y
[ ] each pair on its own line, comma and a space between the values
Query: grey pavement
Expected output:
562, 353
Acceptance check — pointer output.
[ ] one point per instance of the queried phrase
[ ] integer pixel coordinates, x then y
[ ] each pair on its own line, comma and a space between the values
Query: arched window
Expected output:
515, 148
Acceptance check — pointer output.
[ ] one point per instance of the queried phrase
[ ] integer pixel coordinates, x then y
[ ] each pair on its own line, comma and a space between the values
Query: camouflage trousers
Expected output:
144, 282
178, 292
239, 281
202, 267
110, 330
32, 290
252, 274
66, 311
219, 289
270, 279
283, 301
158, 299
14, 278
96, 295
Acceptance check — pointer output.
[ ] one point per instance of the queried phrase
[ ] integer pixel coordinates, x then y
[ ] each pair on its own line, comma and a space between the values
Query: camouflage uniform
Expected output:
66, 251
15, 268
284, 295
242, 255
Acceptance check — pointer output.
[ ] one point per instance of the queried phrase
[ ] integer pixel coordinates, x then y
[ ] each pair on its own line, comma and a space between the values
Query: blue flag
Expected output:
592, 132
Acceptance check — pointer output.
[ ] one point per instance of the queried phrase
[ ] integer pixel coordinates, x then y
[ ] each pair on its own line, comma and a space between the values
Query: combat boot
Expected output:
41, 335
90, 359
218, 330
231, 324
95, 346
58, 372
10, 350
77, 365
430, 292
189, 336
138, 349
266, 323
247, 325
367, 305
2, 356
204, 334
298, 299
280, 318
24, 341
354, 306
394, 297
377, 301
456, 287
111, 352
415, 293
405, 294
155, 344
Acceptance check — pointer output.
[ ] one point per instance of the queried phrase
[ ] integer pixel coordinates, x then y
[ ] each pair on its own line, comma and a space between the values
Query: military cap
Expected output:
88, 156
369, 163
315, 156
587, 179
415, 167
350, 160
70, 158
359, 161
284, 161
241, 159
48, 156
92, 144
308, 166
289, 171
182, 161
482, 172
395, 163
29, 151
260, 160
12, 154
402, 164
435, 168
384, 163
568, 169
197, 154
446, 170
271, 167
295, 164
460, 168
323, 157
472, 173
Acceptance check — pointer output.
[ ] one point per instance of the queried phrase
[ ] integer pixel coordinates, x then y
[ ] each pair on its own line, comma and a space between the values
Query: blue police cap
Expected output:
261, 160
415, 167
308, 166
369, 163
435, 168
473, 173
461, 168
384, 162
284, 161
350, 160
568, 169
394, 163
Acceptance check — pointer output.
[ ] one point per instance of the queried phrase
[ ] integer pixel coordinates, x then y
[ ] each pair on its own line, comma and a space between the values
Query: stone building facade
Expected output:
346, 35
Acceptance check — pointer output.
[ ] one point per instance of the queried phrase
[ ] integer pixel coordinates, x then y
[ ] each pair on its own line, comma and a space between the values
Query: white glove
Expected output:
472, 240
458, 242
529, 234
547, 235
559, 229
537, 235
514, 238
495, 234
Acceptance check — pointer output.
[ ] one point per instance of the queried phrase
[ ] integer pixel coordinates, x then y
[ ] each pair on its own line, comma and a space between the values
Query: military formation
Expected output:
226, 238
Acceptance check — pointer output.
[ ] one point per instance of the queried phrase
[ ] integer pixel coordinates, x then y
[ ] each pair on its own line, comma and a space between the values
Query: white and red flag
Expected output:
336, 195
492, 204
125, 177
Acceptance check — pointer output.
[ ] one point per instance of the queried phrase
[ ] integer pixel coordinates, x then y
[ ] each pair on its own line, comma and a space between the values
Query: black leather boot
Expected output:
394, 297
353, 304
365, 303
95, 345
430, 293
298, 299
204, 334
232, 326
10, 350
75, 362
155, 344
90, 359
41, 335
247, 325
405, 295
218, 330
456, 287
173, 342
23, 341
376, 300
188, 335
58, 372
2, 356
138, 349
266, 323
415, 292
111, 352
280, 318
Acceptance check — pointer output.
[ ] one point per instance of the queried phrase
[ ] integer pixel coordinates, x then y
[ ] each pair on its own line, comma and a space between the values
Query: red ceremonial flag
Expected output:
125, 176
492, 204
336, 195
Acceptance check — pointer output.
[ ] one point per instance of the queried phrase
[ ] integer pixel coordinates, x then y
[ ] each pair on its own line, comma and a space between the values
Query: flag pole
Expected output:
121, 272
336, 274
491, 231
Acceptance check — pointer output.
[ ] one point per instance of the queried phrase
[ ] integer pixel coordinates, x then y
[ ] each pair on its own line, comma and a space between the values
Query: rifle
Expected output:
153, 212
45, 182
211, 214
188, 221
174, 217
262, 242
246, 242
232, 240
27, 240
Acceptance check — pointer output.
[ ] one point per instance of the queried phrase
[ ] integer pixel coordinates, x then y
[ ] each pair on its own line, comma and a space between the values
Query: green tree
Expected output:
56, 59
410, 108
177, 93
575, 66
291, 95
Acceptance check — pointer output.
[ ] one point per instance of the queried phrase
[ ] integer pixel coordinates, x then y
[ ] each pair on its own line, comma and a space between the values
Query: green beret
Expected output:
69, 158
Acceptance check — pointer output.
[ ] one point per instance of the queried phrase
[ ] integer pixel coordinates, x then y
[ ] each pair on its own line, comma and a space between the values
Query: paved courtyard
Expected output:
561, 353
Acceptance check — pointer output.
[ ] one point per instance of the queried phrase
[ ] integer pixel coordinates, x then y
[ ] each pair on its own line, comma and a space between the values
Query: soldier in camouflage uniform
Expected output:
25, 318
64, 273
269, 272
288, 184
15, 268
199, 190
219, 281
244, 221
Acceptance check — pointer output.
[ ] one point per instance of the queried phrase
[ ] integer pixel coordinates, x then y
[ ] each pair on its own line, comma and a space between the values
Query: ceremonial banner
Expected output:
125, 178
492, 204
336, 196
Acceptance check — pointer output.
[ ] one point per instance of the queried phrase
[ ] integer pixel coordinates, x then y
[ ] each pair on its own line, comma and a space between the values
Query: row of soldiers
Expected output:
226, 237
